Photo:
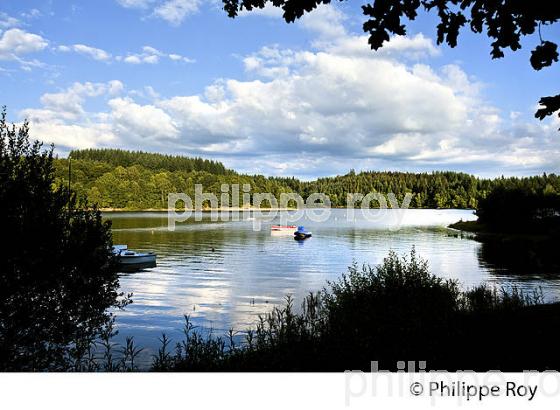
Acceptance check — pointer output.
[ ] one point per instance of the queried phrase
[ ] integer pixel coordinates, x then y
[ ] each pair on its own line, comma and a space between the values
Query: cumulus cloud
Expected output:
7, 21
267, 11
151, 55
145, 122
326, 21
135, 4
64, 121
16, 42
148, 55
323, 104
31, 14
172, 11
92, 52
175, 11
335, 106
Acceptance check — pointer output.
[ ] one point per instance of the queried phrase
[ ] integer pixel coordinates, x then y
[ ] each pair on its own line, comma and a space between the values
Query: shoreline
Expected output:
252, 209
482, 231
221, 209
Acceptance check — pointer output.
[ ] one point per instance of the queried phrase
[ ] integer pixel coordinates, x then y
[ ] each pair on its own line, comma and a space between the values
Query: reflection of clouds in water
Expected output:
220, 268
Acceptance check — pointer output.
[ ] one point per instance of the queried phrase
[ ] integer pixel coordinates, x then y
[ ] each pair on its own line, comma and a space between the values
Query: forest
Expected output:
119, 179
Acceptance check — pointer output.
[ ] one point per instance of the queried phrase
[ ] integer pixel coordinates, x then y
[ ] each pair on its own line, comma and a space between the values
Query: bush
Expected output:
56, 275
520, 210
397, 311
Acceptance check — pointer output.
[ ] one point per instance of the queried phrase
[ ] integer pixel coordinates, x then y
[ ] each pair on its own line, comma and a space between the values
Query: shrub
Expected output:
56, 275
393, 312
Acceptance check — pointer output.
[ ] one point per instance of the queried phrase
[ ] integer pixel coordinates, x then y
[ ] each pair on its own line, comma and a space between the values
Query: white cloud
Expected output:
7, 21
335, 107
172, 11
16, 42
141, 121
151, 59
73, 136
178, 57
324, 104
175, 11
132, 60
63, 120
68, 104
92, 52
32, 14
137, 4
267, 11
151, 55
326, 21
398, 47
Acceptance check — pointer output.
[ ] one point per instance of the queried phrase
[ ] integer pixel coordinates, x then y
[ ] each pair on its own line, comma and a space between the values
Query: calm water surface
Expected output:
224, 274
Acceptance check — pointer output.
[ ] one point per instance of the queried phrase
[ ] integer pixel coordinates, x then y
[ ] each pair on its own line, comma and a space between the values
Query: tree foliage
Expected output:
505, 22
56, 275
116, 184
150, 161
520, 209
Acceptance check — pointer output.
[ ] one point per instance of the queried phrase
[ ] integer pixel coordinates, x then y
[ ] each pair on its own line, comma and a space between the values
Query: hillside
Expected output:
139, 180
152, 161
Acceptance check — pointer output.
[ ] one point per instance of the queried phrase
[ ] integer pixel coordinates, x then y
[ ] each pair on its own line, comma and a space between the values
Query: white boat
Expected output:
131, 260
282, 230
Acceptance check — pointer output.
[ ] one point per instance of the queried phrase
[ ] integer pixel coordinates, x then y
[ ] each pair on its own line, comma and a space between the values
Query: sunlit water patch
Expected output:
224, 274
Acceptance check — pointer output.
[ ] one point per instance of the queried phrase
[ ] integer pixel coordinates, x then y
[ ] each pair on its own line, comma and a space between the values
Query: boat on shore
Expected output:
129, 260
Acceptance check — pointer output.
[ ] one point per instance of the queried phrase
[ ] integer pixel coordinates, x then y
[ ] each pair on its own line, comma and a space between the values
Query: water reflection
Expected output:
224, 274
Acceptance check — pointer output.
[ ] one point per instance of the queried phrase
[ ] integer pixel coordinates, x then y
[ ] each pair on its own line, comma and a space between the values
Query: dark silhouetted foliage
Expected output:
504, 22
56, 275
397, 311
520, 210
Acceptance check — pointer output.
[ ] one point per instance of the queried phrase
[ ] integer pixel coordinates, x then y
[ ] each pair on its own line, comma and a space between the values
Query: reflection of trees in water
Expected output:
56, 278
520, 255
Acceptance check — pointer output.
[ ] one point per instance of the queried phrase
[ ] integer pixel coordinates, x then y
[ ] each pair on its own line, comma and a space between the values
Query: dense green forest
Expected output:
148, 160
121, 179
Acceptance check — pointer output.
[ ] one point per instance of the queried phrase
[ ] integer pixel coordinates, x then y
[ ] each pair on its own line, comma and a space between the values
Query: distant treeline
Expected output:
154, 162
139, 180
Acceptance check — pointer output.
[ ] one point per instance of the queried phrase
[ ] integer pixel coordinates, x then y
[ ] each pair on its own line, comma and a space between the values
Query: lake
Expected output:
224, 274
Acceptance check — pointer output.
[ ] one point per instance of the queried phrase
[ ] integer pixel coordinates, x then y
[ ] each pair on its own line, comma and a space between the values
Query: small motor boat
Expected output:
129, 260
289, 228
301, 234
282, 230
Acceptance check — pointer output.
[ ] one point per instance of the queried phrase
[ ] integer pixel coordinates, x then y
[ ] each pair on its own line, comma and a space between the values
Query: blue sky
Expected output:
306, 99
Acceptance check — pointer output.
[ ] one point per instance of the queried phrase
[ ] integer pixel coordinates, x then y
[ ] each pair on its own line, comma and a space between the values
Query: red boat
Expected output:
290, 228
